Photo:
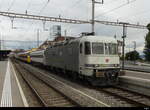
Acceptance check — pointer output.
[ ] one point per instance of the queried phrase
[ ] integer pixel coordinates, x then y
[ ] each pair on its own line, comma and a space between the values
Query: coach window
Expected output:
87, 48
81, 48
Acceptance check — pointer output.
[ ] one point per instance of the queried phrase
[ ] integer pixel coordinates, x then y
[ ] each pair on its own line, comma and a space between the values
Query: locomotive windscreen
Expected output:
101, 48
97, 48
111, 49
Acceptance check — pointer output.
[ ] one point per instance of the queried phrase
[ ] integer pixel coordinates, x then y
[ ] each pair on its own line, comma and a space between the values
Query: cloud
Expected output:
75, 9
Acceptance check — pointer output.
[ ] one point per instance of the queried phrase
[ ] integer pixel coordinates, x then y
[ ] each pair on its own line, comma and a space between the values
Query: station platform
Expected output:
136, 81
143, 75
11, 94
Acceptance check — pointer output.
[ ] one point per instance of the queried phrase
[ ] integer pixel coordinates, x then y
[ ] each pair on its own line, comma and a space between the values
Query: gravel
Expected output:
30, 96
84, 101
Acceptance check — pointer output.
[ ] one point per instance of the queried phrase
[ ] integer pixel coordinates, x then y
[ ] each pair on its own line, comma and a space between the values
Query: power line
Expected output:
12, 3
45, 18
121, 24
75, 4
72, 6
112, 1
116, 8
1, 3
44, 6
66, 20
136, 14
40, 13
28, 5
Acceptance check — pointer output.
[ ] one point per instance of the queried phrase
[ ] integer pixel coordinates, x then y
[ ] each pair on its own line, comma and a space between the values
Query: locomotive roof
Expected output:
106, 39
98, 39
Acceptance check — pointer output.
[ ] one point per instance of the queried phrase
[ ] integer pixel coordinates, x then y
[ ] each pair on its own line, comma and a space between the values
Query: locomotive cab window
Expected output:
87, 48
113, 49
106, 49
97, 48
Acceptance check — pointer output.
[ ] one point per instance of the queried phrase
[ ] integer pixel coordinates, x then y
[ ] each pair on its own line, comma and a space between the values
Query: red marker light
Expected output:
107, 60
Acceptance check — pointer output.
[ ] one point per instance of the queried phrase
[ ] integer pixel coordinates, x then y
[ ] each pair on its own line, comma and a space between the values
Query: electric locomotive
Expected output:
94, 58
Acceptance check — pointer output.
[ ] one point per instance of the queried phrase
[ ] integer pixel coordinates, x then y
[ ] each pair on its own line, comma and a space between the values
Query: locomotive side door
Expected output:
81, 57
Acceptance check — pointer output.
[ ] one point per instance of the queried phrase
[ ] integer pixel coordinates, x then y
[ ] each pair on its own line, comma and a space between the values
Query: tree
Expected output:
147, 44
133, 55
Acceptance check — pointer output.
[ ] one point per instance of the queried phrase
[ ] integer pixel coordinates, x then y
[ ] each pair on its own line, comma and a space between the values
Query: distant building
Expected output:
57, 39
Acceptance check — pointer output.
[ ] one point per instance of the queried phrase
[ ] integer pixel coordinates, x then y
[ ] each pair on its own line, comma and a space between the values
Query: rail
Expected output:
47, 95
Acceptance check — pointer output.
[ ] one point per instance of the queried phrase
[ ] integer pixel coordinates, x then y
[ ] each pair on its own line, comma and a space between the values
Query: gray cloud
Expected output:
75, 9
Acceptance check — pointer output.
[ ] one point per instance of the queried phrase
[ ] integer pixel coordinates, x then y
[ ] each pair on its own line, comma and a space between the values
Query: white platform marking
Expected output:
20, 89
6, 100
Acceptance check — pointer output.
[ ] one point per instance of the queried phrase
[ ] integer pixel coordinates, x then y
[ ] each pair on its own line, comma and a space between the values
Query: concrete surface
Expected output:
143, 75
136, 81
9, 90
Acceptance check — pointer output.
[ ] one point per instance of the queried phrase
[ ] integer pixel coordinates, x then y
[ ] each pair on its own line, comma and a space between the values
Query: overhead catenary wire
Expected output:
120, 6
28, 5
45, 5
134, 15
41, 10
10, 6
110, 2
72, 6
1, 3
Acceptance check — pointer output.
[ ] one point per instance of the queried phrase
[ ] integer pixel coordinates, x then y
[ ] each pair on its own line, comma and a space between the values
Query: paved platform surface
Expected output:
138, 67
11, 94
135, 77
136, 81
136, 74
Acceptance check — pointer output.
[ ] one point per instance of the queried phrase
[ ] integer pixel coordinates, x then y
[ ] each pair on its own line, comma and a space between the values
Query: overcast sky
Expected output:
132, 11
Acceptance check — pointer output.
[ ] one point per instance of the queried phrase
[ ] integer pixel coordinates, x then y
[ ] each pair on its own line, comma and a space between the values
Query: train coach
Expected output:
37, 57
23, 56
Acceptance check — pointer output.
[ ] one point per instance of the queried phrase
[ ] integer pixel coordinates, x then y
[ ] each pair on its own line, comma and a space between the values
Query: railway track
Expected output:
47, 96
124, 96
136, 99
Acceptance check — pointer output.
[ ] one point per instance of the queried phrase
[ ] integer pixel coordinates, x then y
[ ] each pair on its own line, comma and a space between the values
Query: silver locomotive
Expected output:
93, 58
